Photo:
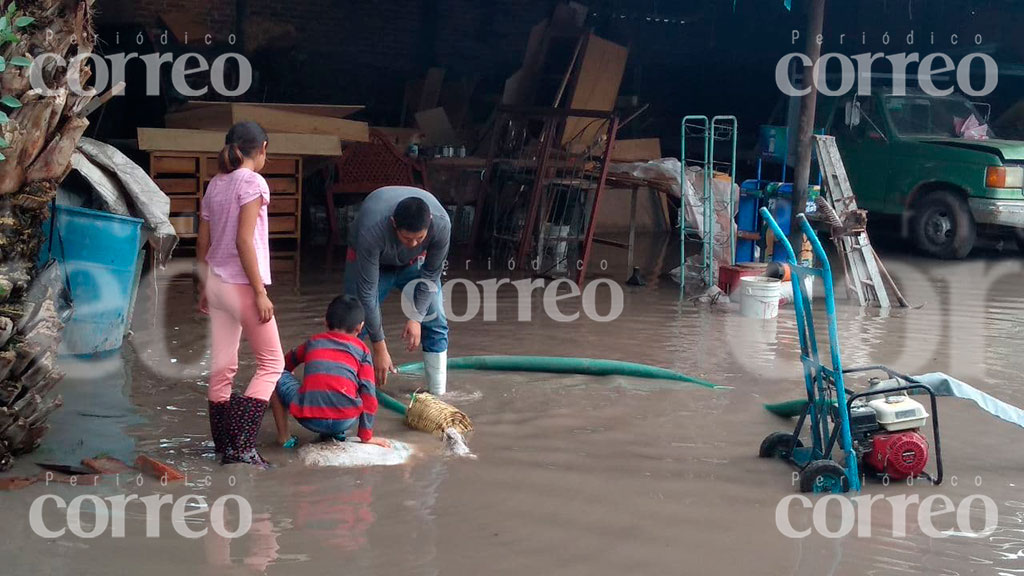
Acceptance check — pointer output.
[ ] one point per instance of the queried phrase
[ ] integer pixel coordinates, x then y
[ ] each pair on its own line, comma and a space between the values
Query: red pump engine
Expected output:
901, 455
886, 436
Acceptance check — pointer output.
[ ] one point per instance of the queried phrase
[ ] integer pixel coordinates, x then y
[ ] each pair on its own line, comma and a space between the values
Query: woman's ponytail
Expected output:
244, 140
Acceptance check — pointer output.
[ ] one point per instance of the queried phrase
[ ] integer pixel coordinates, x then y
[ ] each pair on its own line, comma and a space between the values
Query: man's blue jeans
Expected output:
434, 333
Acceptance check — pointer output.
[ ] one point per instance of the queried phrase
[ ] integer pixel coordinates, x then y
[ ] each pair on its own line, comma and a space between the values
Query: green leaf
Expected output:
5, 23
10, 102
2, 157
24, 21
21, 61
3, 118
3, 64
3, 143
12, 8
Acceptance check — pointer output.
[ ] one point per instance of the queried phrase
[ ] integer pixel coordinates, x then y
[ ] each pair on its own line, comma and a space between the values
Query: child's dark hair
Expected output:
244, 140
412, 215
345, 313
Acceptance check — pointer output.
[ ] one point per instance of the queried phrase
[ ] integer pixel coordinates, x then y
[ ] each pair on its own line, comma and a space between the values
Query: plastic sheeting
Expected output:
945, 385
122, 187
353, 454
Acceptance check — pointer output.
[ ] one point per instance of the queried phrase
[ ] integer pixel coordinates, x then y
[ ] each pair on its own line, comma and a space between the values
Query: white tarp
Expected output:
353, 454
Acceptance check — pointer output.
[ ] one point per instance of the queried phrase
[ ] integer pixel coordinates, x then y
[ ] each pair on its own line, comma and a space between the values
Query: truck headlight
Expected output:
1004, 177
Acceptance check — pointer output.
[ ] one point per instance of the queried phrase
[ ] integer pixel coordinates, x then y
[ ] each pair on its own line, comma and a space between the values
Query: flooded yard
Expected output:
575, 474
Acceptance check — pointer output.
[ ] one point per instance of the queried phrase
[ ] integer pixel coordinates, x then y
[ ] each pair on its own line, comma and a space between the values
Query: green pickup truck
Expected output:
907, 156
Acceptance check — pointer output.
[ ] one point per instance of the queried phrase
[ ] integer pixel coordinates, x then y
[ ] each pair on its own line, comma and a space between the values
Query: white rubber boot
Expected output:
435, 366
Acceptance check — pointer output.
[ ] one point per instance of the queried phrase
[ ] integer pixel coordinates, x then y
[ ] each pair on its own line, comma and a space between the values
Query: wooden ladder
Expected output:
864, 279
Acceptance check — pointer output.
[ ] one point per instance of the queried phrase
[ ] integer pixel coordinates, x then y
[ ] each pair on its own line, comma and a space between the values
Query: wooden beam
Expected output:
596, 87
272, 120
431, 92
639, 150
172, 140
436, 127
331, 110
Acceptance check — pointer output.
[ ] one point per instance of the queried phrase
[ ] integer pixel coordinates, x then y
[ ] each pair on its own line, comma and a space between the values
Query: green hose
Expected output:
790, 409
552, 364
390, 403
587, 366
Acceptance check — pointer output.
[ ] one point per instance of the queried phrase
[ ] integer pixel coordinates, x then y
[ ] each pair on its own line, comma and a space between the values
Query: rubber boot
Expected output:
243, 426
219, 413
435, 366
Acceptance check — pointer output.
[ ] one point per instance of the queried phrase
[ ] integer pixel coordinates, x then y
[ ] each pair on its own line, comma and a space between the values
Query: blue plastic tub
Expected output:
101, 254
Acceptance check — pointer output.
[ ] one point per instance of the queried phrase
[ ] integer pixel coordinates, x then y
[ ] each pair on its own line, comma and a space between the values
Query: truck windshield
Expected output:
932, 116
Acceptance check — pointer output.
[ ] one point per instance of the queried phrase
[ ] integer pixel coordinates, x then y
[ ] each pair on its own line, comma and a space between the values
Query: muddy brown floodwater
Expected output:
576, 475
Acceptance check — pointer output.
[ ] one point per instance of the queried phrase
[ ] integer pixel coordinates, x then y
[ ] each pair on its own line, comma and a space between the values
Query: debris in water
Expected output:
107, 466
158, 469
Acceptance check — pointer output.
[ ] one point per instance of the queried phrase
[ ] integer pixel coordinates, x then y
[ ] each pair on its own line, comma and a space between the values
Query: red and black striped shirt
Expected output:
338, 381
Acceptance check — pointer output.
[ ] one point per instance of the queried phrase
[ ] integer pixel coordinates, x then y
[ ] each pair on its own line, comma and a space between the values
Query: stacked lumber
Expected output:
293, 129
41, 134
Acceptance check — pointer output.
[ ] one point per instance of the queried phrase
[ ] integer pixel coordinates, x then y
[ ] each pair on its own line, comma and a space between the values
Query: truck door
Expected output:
865, 152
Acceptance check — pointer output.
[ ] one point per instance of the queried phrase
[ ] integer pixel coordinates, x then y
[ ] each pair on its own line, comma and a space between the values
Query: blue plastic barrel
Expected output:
100, 252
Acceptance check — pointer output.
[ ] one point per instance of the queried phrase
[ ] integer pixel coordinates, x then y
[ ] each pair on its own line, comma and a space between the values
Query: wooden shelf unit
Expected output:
184, 176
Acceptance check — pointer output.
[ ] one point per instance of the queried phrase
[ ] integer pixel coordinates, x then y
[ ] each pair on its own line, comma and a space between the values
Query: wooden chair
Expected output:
365, 166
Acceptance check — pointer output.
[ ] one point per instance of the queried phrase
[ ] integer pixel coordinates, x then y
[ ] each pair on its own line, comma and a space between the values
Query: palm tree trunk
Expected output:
41, 135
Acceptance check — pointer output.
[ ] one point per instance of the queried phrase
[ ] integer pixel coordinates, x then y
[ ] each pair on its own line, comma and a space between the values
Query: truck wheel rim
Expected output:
939, 227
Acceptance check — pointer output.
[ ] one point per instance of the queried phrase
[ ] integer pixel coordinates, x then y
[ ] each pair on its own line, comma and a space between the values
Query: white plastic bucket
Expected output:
759, 296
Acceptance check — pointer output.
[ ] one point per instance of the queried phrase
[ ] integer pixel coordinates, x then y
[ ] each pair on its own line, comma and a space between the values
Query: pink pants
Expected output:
233, 315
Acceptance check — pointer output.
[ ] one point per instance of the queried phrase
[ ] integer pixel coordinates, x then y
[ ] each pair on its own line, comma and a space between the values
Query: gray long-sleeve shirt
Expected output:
377, 246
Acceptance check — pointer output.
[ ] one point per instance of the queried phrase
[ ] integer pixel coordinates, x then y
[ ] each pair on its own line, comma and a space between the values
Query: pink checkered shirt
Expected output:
224, 198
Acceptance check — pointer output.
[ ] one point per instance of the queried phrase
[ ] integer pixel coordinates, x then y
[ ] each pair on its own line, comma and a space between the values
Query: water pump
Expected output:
887, 438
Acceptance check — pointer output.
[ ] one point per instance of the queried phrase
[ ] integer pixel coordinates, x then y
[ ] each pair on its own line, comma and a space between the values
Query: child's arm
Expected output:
368, 394
247, 217
295, 358
202, 249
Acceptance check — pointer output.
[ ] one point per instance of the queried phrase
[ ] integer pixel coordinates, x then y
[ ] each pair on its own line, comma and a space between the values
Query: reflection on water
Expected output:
576, 475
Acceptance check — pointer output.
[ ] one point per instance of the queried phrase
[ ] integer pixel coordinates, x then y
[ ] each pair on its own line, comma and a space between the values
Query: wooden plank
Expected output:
514, 87
282, 224
173, 165
183, 224
275, 166
436, 128
327, 110
206, 118
184, 204
178, 185
282, 185
431, 91
638, 150
173, 140
283, 205
289, 122
596, 87
222, 118
281, 166
282, 264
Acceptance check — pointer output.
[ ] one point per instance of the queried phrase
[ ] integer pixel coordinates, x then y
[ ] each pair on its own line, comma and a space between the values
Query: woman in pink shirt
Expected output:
234, 265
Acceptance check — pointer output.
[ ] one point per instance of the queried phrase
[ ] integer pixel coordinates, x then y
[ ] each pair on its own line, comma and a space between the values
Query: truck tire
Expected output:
943, 226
